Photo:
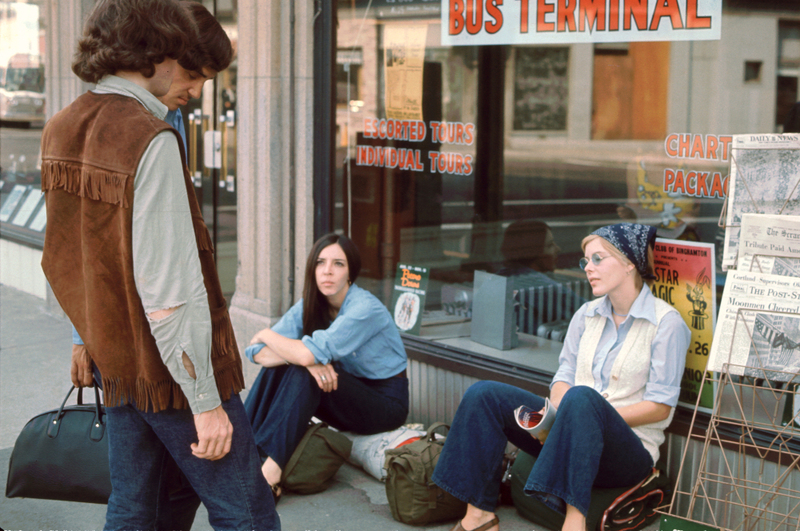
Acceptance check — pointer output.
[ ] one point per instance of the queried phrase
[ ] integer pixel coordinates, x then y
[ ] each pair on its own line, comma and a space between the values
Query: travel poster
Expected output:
408, 297
404, 53
685, 278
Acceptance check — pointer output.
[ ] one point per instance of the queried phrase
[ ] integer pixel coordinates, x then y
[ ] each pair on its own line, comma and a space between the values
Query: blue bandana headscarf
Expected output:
632, 240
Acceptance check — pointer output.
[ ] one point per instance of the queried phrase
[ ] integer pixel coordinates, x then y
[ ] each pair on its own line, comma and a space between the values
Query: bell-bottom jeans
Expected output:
233, 488
588, 445
283, 399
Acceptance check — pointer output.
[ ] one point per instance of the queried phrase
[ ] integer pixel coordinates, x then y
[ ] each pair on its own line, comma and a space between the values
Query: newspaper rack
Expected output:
737, 203
755, 415
755, 265
724, 211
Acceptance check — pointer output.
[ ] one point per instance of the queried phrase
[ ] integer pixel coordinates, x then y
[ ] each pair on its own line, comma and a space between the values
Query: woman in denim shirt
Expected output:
336, 354
616, 387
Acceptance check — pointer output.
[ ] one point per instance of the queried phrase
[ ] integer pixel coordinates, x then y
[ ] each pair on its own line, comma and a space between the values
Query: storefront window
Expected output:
502, 158
22, 115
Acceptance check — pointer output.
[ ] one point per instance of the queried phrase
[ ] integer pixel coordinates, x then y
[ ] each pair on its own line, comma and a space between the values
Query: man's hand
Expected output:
327, 379
214, 432
81, 369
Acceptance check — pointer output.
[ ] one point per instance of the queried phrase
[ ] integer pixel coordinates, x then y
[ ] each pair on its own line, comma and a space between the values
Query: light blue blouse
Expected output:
363, 337
668, 348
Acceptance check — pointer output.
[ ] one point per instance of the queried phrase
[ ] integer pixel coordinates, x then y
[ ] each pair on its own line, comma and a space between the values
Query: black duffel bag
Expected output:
62, 455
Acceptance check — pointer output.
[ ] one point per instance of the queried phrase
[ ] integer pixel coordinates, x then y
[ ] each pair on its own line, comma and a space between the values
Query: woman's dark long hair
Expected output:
316, 310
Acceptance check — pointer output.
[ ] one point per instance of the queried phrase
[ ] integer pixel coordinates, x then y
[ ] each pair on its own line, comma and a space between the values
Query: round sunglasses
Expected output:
595, 258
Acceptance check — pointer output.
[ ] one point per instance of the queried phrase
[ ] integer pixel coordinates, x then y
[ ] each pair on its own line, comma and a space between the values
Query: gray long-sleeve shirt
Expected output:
166, 264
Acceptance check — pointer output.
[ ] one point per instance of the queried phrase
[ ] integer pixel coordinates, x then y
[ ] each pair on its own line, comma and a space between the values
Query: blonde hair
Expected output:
608, 246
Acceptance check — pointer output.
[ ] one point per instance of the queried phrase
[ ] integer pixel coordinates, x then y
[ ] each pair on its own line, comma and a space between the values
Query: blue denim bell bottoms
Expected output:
589, 445
283, 399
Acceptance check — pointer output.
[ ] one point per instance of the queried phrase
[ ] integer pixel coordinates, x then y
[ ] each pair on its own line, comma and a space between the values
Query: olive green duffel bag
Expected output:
413, 498
315, 461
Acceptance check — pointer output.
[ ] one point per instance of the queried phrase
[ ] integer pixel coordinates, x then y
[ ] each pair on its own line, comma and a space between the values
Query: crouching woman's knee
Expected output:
579, 397
480, 394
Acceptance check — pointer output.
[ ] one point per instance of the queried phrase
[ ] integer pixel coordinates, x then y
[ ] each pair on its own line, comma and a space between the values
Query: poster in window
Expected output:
408, 297
404, 57
686, 279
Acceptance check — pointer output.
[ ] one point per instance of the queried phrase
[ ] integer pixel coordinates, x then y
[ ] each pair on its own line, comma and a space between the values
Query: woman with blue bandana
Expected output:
615, 392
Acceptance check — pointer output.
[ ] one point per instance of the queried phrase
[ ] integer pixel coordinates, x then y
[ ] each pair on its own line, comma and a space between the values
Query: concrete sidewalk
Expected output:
35, 348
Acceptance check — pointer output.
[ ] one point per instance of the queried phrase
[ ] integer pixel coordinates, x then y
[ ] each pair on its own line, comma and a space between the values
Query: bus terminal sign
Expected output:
486, 22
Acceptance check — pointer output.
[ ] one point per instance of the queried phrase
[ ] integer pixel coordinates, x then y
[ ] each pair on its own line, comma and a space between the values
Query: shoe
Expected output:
277, 492
491, 523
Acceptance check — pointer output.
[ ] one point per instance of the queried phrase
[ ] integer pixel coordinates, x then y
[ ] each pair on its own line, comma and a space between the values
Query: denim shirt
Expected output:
668, 356
175, 119
363, 338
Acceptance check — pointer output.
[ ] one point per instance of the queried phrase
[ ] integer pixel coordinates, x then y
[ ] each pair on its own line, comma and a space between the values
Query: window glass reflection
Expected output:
22, 115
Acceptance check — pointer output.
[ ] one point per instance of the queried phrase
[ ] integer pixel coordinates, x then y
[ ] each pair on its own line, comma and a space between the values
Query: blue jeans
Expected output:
233, 489
177, 501
589, 445
283, 399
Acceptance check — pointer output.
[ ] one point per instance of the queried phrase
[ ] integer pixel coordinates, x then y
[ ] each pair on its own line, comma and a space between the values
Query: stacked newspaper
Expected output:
758, 330
764, 177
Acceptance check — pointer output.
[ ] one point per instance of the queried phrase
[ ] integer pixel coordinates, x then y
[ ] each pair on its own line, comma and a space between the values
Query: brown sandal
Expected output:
491, 523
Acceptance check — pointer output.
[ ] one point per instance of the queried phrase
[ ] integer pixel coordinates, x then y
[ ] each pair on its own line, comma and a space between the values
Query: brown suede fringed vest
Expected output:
90, 152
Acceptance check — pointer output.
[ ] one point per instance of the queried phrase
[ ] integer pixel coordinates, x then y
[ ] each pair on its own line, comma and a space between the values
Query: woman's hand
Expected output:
260, 336
290, 350
557, 392
267, 358
327, 379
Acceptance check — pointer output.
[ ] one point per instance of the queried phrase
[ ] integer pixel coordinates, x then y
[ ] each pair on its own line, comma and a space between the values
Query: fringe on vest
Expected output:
92, 183
147, 396
201, 235
158, 396
223, 340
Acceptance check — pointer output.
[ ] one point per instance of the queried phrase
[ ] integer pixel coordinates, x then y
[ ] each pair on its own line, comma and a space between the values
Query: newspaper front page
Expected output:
765, 171
770, 244
758, 328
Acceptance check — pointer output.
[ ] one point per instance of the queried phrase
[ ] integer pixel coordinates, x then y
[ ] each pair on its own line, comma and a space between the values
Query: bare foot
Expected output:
476, 517
575, 521
272, 472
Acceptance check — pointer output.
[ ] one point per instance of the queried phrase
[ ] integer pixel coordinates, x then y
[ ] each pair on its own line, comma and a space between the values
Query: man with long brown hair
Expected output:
129, 258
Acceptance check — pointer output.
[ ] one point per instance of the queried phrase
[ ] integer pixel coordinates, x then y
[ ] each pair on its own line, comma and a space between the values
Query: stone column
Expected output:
64, 27
275, 215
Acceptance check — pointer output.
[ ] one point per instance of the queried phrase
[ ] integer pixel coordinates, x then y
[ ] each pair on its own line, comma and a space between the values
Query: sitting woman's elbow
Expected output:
307, 359
662, 412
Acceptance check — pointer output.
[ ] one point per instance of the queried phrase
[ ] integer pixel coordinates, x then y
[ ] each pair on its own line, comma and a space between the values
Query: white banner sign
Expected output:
481, 22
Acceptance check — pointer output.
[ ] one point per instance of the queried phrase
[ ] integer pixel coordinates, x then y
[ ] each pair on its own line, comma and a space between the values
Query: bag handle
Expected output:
98, 426
429, 435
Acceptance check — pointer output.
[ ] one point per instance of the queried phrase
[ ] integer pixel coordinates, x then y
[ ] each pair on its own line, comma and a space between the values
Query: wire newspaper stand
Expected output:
755, 415
763, 179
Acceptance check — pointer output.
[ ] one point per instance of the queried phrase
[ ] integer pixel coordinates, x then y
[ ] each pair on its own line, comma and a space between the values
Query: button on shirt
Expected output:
363, 337
669, 347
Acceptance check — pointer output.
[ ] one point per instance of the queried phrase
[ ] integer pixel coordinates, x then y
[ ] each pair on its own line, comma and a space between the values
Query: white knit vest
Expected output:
631, 369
